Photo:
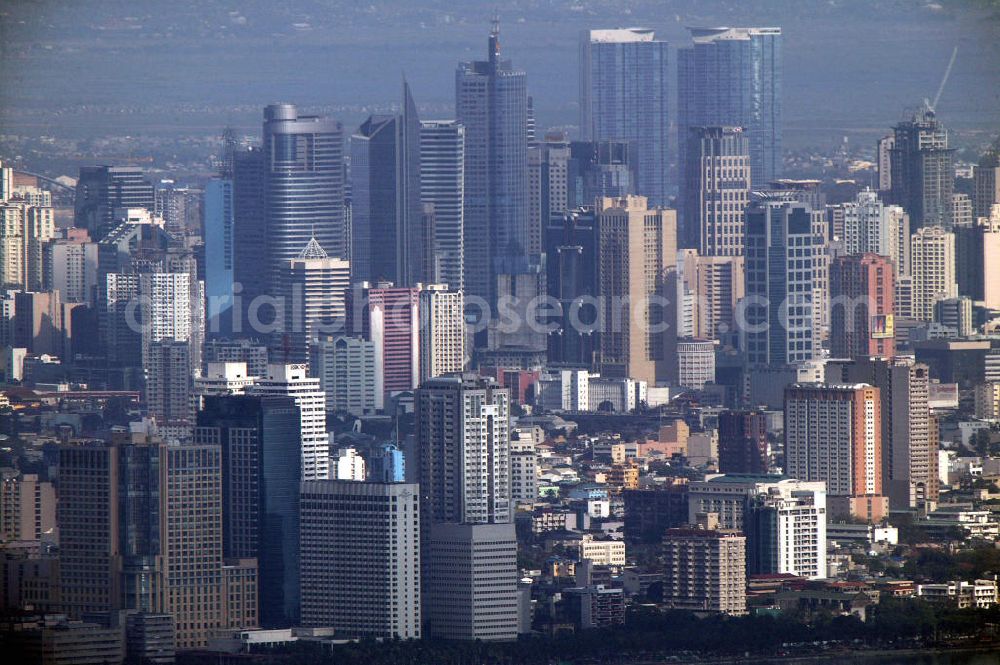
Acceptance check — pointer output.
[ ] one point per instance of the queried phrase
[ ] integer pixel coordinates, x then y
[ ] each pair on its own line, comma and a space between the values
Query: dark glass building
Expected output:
743, 442
101, 190
261, 449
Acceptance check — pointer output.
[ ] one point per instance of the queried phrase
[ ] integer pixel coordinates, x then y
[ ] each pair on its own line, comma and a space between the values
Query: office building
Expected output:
259, 440
711, 288
41, 324
348, 465
471, 582
294, 381
728, 496
462, 422
491, 101
442, 331
442, 186
870, 226
523, 469
961, 210
909, 436
883, 150
636, 268
71, 269
548, 186
386, 215
599, 169
386, 463
923, 176
704, 570
168, 387
715, 190
862, 293
785, 271
246, 351
250, 234
786, 534
570, 248
743, 445
304, 187
360, 554
932, 273
987, 401
220, 245
977, 260
103, 190
955, 314
314, 291
696, 363
623, 97
833, 434
347, 373
734, 77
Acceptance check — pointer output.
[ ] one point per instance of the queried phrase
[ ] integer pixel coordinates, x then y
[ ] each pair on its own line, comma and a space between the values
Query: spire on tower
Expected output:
495, 38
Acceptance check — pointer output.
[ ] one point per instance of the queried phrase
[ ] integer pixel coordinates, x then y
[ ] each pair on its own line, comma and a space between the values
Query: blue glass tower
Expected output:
491, 100
623, 97
219, 253
732, 76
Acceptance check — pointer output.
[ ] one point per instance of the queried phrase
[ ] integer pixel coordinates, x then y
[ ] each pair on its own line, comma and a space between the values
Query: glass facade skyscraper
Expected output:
733, 76
623, 97
442, 186
304, 174
491, 101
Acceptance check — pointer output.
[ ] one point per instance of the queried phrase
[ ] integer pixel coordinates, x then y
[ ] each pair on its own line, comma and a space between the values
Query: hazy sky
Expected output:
92, 67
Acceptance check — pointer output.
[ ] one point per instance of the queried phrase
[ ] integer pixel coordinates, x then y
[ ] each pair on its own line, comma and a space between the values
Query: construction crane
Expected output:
944, 80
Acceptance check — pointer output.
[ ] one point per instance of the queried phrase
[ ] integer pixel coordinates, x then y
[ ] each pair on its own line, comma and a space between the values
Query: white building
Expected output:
294, 381
442, 331
602, 552
621, 395
980, 594
225, 378
71, 269
932, 253
314, 287
523, 468
728, 496
347, 372
787, 532
360, 558
350, 465
696, 363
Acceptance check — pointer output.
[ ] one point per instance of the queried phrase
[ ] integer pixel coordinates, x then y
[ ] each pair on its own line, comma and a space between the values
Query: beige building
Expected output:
704, 570
24, 230
932, 252
636, 270
442, 331
988, 401
27, 507
713, 285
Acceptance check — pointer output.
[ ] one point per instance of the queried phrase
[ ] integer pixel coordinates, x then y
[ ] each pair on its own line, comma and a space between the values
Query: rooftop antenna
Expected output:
944, 79
495, 37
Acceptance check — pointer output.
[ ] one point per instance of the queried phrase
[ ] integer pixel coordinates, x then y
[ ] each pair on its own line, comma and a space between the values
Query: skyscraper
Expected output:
259, 439
491, 101
862, 293
304, 184
786, 533
923, 177
715, 191
623, 97
636, 263
733, 76
389, 316
361, 558
986, 176
705, 570
348, 373
218, 210
386, 214
249, 232
314, 290
833, 433
785, 270
442, 331
743, 442
293, 381
932, 253
101, 190
442, 185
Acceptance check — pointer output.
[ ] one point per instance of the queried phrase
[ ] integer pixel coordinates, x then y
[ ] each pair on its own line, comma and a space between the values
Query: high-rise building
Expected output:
71, 269
491, 101
733, 76
442, 331
24, 231
360, 554
961, 209
294, 381
786, 533
833, 433
390, 318
636, 267
883, 148
102, 190
599, 169
705, 570
785, 272
314, 291
386, 463
932, 271
695, 363
246, 351
548, 186
862, 292
249, 233
386, 217
909, 439
743, 446
218, 211
523, 469
955, 314
712, 289
986, 176
168, 386
570, 248
871, 226
923, 177
623, 97
462, 424
304, 184
347, 372
259, 439
442, 185
27, 507
715, 191
977, 260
